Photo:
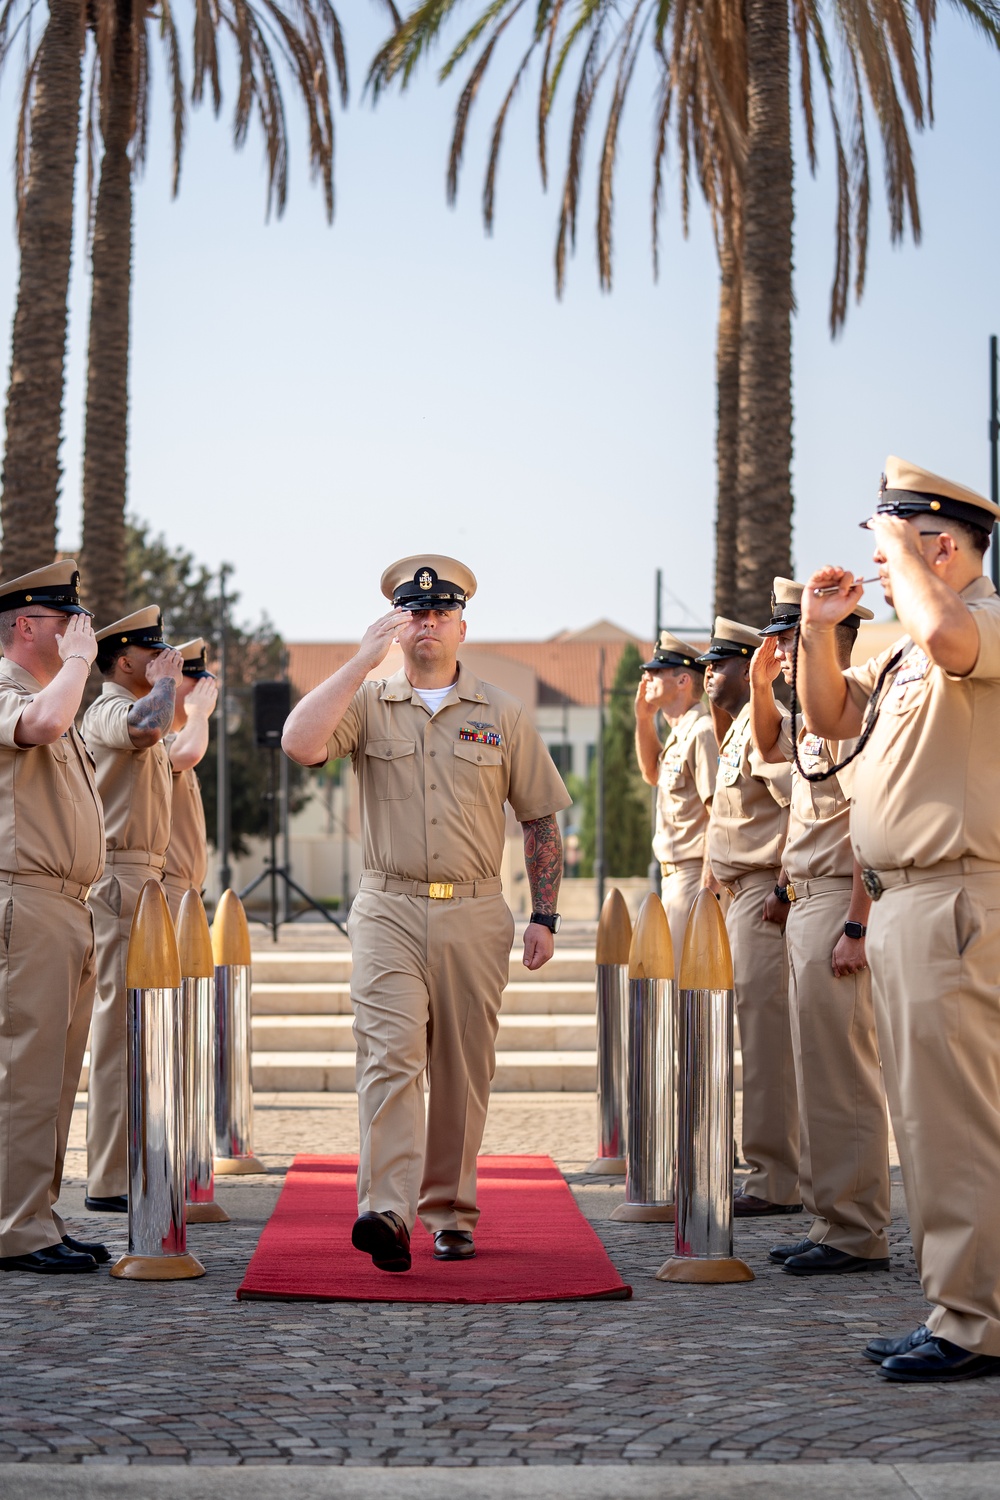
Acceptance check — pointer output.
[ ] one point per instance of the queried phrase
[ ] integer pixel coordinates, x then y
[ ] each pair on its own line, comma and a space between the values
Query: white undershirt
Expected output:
434, 697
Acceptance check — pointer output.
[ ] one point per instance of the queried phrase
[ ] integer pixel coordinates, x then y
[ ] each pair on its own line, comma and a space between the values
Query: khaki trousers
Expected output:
47, 979
677, 892
843, 1126
934, 950
770, 1108
426, 986
113, 900
175, 891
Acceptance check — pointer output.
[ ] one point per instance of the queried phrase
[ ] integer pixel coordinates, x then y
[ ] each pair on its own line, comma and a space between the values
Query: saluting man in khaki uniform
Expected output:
194, 700
437, 753
746, 837
51, 850
843, 1126
683, 772
124, 730
926, 831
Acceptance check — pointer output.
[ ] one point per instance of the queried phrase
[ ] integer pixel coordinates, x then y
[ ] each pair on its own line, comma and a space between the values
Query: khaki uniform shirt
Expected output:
432, 788
134, 784
187, 852
927, 784
688, 765
749, 821
818, 845
50, 813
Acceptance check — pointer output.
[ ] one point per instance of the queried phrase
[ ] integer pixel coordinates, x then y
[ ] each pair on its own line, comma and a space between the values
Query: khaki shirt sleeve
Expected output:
535, 789
987, 666
784, 743
107, 723
705, 764
12, 706
349, 735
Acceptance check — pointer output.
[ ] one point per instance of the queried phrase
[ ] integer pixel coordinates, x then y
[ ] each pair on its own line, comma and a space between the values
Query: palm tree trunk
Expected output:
727, 377
764, 489
34, 398
106, 431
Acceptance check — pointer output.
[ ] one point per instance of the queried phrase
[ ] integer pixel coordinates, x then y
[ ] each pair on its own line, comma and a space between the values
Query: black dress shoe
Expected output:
453, 1244
385, 1238
116, 1205
938, 1359
100, 1253
879, 1349
746, 1206
825, 1260
54, 1260
780, 1253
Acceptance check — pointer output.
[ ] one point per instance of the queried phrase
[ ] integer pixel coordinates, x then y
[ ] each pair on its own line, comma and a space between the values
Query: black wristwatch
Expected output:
551, 920
854, 930
781, 891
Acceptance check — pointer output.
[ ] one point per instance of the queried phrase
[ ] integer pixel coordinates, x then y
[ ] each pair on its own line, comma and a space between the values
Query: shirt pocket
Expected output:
391, 768
68, 774
477, 772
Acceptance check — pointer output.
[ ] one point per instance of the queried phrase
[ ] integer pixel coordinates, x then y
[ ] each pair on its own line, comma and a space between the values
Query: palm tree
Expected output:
266, 35
739, 53
45, 164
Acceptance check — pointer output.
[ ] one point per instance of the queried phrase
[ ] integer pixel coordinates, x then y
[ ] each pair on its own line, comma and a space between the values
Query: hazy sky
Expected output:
311, 402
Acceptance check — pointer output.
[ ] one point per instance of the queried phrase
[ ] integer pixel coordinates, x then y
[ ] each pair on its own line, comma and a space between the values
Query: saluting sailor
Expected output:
194, 700
438, 753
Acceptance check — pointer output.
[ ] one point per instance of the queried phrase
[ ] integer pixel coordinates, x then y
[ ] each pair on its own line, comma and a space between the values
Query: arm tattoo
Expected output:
156, 710
544, 860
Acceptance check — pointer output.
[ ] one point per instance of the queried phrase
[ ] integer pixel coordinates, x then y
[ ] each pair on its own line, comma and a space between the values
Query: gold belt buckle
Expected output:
790, 892
440, 890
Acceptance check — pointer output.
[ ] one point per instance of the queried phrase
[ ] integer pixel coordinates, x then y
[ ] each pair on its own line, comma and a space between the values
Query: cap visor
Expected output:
779, 629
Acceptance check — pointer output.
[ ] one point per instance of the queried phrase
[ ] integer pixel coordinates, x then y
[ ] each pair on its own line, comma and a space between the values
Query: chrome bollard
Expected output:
614, 934
703, 1234
649, 1183
194, 947
233, 1040
157, 1228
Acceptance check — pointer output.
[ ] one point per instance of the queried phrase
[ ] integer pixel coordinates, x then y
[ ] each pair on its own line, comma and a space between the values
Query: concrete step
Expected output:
519, 998
312, 1033
516, 1072
572, 965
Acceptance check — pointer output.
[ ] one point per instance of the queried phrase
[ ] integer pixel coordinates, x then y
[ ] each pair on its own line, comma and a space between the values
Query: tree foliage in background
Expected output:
627, 818
187, 593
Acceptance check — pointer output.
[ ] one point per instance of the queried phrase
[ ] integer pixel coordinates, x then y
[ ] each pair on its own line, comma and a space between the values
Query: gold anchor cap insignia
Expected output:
425, 579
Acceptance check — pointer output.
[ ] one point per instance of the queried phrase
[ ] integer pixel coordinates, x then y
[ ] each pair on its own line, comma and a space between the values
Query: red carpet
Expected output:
532, 1244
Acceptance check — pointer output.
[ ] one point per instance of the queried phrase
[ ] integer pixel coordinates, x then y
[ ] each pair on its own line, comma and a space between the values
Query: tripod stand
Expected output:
272, 871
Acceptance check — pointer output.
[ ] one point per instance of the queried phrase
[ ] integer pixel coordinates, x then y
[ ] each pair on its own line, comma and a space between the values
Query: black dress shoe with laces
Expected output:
385, 1238
116, 1205
453, 1244
54, 1260
780, 1253
826, 1260
100, 1253
879, 1349
938, 1359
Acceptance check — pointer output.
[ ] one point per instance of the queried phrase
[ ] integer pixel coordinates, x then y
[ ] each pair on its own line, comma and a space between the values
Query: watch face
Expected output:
556, 922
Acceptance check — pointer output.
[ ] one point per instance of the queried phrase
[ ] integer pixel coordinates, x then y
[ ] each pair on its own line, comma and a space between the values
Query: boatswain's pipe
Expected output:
194, 947
157, 1230
614, 936
649, 1184
703, 1234
233, 1081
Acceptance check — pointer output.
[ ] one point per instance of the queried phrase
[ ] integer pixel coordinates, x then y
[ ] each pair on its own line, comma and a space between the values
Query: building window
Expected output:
563, 757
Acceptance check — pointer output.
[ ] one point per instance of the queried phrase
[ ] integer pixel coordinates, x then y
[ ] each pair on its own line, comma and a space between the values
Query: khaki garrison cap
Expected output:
671, 651
143, 628
194, 655
57, 586
730, 639
907, 490
786, 608
428, 582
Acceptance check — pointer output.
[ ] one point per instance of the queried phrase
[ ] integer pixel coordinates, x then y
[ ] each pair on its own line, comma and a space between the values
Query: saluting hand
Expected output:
78, 639
168, 663
643, 708
200, 702
828, 609
764, 664
379, 637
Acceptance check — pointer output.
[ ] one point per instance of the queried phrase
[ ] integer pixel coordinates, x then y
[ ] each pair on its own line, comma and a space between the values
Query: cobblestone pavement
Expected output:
98, 1371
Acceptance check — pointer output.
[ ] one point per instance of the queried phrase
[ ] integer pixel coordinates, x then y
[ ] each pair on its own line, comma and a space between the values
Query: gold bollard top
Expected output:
706, 958
614, 930
152, 962
230, 932
194, 941
651, 955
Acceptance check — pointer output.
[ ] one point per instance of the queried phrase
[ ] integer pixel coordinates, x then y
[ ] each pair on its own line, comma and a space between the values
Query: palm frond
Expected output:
629, 45
467, 98
496, 138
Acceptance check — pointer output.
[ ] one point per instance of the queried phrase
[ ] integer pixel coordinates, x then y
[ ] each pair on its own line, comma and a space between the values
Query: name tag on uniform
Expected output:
480, 736
913, 667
